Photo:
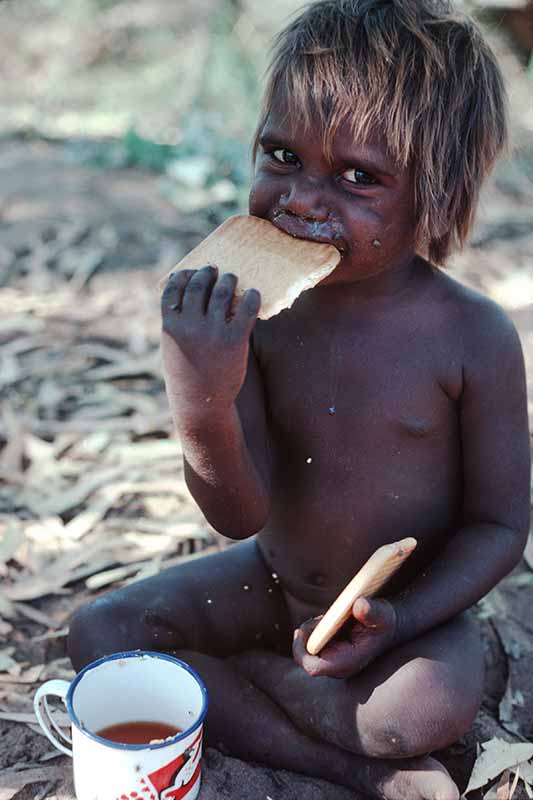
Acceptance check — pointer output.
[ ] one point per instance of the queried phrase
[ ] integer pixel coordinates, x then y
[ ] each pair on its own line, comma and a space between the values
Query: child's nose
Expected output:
305, 199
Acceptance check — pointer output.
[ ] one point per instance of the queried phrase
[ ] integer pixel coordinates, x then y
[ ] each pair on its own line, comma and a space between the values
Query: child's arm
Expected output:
496, 501
496, 479
208, 364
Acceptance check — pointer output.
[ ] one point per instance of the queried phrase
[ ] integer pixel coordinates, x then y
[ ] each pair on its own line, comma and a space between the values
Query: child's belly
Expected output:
332, 508
385, 465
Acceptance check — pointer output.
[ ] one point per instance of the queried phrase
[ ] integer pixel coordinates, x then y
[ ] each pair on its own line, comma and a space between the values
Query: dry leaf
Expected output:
61, 718
9, 370
101, 554
514, 783
12, 781
93, 445
526, 772
509, 700
112, 575
11, 456
38, 450
146, 452
16, 324
51, 755
64, 501
31, 675
172, 486
58, 668
501, 790
51, 635
139, 424
497, 756
505, 789
126, 369
86, 520
11, 537
176, 528
14, 700
34, 587
152, 568
6, 607
6, 661
46, 531
509, 636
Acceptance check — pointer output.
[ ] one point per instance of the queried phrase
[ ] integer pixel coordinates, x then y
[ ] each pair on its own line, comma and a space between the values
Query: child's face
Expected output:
361, 202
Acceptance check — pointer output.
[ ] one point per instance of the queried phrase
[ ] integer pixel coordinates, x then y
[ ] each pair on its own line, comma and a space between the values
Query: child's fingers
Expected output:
335, 660
222, 296
376, 614
198, 291
247, 311
301, 637
172, 296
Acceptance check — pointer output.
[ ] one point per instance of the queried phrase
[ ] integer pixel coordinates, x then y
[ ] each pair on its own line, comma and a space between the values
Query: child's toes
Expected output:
416, 779
437, 783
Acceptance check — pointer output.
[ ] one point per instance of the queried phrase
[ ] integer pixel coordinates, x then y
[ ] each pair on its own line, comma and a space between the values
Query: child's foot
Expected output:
411, 779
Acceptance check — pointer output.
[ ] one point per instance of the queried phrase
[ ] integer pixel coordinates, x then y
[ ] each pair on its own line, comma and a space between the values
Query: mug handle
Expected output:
56, 688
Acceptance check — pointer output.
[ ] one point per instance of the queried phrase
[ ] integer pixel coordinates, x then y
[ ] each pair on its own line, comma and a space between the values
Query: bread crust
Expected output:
279, 266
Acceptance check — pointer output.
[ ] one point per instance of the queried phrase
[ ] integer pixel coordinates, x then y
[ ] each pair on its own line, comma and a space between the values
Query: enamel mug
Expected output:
136, 686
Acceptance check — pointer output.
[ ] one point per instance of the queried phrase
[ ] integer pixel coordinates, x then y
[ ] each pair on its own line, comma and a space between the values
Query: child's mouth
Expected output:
311, 230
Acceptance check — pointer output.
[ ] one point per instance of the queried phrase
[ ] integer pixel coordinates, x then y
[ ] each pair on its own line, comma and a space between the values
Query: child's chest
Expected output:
371, 383
364, 432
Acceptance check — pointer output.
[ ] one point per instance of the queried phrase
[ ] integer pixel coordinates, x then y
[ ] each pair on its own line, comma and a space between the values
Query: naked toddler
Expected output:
388, 402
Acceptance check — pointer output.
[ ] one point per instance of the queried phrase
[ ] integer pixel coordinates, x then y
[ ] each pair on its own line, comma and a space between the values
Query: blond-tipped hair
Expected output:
417, 71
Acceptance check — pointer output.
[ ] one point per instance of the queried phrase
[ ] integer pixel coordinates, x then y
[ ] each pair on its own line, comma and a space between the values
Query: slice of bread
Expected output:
264, 258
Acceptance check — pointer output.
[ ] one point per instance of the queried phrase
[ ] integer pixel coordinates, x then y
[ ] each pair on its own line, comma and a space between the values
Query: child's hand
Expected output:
205, 339
372, 633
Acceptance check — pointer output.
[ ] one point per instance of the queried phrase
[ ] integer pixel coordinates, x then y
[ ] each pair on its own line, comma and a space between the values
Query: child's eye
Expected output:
285, 157
359, 177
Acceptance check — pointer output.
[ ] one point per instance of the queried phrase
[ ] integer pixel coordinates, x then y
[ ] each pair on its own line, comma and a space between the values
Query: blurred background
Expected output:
124, 139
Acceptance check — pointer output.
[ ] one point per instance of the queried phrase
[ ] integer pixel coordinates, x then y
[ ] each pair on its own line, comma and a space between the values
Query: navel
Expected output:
316, 579
416, 426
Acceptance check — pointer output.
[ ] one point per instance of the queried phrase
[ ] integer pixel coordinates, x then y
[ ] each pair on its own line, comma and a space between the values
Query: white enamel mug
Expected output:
125, 687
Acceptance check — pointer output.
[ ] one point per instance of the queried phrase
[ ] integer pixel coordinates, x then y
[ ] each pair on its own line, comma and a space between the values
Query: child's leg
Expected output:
202, 611
419, 698
172, 612
250, 725
218, 605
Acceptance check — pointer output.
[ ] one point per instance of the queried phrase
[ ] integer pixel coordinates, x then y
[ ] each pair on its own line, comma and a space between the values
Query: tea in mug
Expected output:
138, 732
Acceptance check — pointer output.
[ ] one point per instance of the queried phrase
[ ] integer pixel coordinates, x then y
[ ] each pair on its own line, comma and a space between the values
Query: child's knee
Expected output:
116, 622
97, 629
446, 703
431, 708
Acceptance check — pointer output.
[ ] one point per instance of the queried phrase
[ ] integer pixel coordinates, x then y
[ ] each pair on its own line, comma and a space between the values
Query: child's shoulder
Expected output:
480, 322
469, 307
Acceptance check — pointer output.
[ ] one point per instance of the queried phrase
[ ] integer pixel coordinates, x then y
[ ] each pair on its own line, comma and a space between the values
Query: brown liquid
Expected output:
138, 732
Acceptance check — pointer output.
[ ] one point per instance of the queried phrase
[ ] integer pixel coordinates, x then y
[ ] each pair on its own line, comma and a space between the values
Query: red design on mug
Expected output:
174, 780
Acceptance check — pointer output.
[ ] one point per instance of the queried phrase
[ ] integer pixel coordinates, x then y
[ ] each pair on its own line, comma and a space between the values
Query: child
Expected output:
388, 402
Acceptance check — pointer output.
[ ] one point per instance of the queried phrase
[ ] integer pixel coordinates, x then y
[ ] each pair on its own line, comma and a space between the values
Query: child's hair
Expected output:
417, 71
